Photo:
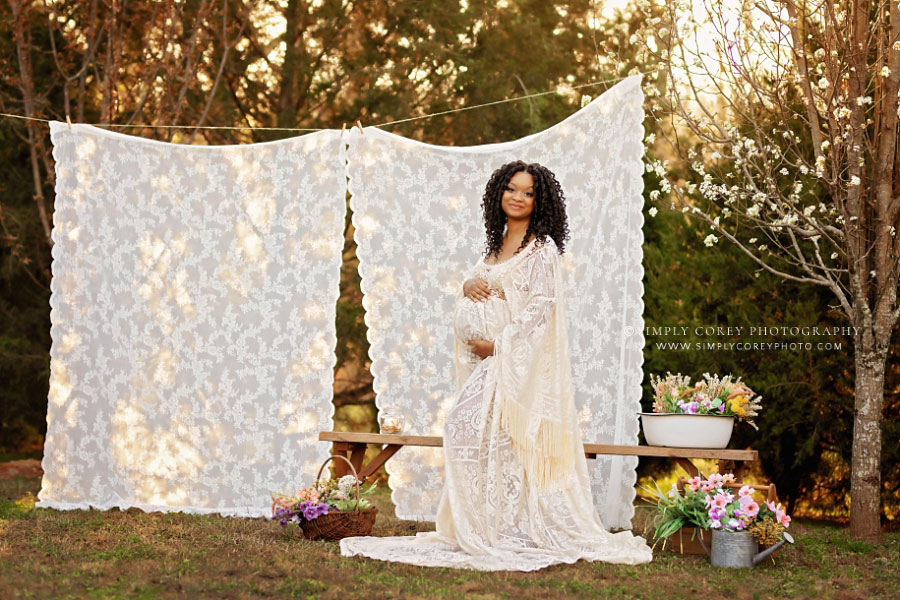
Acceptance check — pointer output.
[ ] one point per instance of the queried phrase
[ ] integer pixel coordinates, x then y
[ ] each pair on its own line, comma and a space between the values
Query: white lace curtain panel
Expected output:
193, 302
194, 293
419, 227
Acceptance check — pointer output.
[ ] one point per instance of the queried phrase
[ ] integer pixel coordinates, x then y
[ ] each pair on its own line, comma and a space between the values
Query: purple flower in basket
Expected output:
313, 511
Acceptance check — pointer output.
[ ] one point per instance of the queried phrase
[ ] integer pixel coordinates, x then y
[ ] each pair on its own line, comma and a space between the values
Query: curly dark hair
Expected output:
548, 218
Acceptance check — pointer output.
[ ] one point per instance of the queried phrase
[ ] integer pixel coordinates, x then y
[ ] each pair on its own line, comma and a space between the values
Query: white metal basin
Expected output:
686, 431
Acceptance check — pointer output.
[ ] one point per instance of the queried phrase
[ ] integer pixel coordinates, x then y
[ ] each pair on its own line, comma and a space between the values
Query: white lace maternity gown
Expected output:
494, 514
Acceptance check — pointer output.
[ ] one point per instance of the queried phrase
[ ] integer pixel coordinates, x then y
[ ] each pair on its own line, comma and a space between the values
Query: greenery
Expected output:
675, 512
132, 554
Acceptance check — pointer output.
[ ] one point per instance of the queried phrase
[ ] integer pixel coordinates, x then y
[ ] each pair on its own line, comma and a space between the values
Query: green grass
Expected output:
132, 554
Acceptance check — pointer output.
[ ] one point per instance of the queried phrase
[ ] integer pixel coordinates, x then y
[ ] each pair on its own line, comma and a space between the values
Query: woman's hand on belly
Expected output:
482, 348
476, 289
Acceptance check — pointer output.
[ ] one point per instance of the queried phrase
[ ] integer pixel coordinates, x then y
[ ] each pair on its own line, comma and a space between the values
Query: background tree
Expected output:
796, 112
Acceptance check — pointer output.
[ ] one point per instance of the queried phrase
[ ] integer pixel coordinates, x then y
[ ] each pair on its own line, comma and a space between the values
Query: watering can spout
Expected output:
786, 537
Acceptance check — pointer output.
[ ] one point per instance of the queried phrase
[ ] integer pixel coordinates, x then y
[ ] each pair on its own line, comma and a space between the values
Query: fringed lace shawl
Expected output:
531, 369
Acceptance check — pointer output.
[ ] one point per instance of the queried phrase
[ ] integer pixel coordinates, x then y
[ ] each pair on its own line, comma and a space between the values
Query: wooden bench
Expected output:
730, 461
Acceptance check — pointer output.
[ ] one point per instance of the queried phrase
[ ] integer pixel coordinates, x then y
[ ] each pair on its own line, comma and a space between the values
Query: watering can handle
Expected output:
785, 538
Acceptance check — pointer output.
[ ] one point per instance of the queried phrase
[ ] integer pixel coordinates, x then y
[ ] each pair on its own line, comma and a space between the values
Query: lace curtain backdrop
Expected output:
418, 228
193, 308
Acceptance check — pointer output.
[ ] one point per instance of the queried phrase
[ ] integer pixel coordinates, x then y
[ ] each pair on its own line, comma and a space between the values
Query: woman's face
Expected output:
518, 197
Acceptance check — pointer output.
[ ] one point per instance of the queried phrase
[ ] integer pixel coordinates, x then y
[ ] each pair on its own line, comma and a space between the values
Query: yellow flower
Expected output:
736, 405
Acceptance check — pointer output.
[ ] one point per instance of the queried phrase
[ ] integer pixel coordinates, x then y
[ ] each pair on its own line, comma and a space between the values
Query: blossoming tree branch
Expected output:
782, 118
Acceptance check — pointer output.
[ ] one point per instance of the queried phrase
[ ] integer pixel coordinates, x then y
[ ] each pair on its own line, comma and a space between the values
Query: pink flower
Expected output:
780, 514
694, 483
745, 500
745, 492
720, 501
706, 486
715, 513
751, 509
715, 524
733, 523
716, 480
728, 477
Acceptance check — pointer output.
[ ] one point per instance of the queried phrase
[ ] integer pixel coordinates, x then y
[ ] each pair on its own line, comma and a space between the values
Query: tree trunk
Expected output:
865, 477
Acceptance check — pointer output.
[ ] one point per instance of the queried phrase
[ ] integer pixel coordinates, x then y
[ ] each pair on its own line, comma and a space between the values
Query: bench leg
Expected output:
688, 466
341, 449
733, 466
387, 452
357, 454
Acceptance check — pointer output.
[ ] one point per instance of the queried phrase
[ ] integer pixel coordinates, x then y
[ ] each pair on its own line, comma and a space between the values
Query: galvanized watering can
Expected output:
738, 548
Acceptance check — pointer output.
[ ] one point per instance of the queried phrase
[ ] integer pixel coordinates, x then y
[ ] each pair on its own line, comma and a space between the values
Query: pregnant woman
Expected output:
516, 493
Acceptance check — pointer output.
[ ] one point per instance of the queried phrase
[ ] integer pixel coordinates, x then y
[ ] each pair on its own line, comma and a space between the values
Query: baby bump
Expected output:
476, 320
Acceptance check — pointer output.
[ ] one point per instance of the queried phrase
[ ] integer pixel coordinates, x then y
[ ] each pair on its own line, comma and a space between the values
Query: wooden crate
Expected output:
685, 541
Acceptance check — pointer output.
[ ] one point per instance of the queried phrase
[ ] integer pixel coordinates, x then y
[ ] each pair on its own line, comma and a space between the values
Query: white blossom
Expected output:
885, 71
753, 211
652, 211
710, 240
823, 83
854, 180
834, 255
752, 241
345, 483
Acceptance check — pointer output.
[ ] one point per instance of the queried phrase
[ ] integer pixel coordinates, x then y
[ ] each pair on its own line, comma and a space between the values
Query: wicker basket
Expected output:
339, 524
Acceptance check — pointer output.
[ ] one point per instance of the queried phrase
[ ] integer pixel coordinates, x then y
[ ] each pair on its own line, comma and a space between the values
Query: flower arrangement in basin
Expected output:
700, 415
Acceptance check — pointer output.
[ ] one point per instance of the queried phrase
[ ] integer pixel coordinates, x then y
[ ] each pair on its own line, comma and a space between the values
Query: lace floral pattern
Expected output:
418, 228
193, 304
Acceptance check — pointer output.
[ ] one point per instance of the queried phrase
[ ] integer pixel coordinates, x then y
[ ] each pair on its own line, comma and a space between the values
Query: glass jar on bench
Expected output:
390, 420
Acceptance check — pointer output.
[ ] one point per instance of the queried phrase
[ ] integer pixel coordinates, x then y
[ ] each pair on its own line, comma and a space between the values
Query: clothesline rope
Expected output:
247, 128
